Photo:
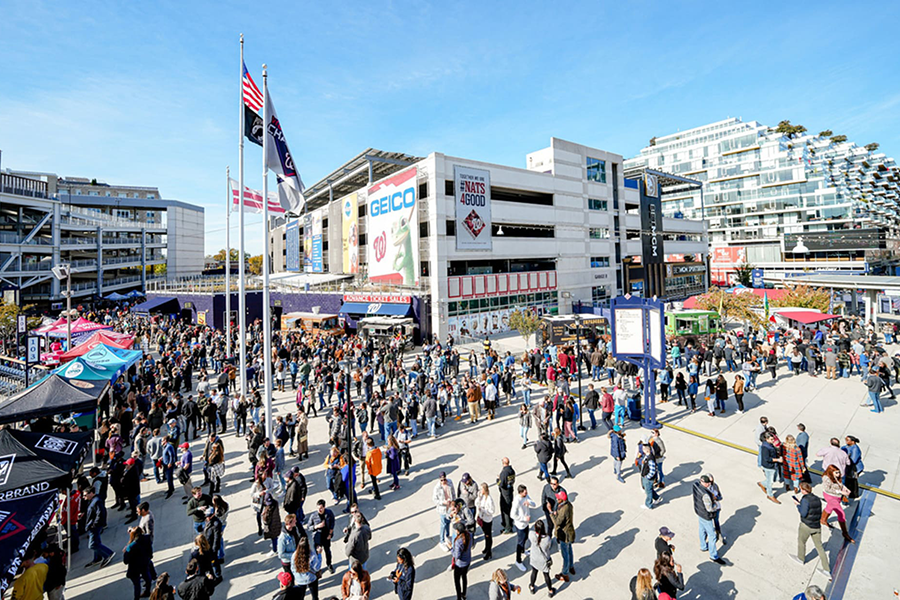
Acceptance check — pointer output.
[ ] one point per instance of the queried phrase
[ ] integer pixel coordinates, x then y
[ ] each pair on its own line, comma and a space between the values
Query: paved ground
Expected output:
615, 536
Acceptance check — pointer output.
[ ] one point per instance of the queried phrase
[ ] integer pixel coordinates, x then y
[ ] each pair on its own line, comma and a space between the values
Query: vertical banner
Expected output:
350, 234
473, 208
652, 251
317, 263
292, 246
307, 243
392, 230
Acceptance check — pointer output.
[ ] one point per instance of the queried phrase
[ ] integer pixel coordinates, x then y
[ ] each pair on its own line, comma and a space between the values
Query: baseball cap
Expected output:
295, 469
705, 479
665, 531
209, 511
443, 475
561, 496
285, 579
184, 445
129, 462
465, 476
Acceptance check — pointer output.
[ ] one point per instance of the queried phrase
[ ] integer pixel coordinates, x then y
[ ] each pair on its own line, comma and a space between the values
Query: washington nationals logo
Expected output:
380, 246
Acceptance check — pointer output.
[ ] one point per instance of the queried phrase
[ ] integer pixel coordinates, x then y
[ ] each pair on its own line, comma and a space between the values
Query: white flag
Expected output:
253, 200
279, 160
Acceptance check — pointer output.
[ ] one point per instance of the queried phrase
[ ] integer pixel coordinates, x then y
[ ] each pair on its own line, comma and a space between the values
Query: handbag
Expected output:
479, 522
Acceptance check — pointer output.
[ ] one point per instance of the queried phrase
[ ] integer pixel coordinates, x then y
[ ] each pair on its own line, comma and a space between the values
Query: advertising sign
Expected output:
652, 251
377, 297
392, 230
729, 255
350, 233
473, 208
307, 243
317, 263
292, 245
756, 277
629, 331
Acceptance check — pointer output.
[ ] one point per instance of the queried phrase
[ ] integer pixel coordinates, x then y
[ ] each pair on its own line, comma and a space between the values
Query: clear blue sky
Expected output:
145, 93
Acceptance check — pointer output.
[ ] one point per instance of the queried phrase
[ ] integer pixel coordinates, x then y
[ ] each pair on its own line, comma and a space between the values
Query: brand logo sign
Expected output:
373, 309
381, 298
392, 223
6, 465
55, 444
73, 370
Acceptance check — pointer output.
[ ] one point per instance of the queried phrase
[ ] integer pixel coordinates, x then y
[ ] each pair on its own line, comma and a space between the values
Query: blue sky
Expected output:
145, 93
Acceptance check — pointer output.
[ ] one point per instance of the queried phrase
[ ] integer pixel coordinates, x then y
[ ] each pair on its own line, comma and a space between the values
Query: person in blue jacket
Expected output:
617, 450
404, 576
813, 592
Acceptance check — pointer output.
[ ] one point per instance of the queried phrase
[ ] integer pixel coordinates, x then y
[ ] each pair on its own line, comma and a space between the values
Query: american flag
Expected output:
253, 98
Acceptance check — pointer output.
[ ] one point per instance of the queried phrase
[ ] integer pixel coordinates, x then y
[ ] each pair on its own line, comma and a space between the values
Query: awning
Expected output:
380, 309
159, 305
807, 317
53, 395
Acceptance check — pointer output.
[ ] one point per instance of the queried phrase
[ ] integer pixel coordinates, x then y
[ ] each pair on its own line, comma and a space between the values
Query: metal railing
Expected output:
7, 237
22, 186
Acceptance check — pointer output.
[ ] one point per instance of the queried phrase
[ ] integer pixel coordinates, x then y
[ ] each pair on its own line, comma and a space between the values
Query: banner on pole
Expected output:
350, 233
307, 243
473, 208
317, 261
292, 246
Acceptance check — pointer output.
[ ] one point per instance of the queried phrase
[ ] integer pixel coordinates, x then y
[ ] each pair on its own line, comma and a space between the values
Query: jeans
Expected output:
611, 373
659, 471
593, 418
617, 469
606, 417
545, 473
565, 548
649, 493
101, 552
445, 529
198, 527
595, 372
770, 478
708, 537
876, 402
430, 422
526, 397
523, 431
521, 538
392, 428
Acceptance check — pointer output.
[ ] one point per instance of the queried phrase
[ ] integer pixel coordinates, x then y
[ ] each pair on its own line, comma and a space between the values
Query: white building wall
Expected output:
185, 236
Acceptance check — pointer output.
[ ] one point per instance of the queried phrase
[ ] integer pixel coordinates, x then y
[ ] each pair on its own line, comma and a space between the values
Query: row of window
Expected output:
599, 262
468, 307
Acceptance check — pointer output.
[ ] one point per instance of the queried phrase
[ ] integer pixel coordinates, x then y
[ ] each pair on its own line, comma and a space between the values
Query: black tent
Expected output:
65, 451
28, 498
52, 396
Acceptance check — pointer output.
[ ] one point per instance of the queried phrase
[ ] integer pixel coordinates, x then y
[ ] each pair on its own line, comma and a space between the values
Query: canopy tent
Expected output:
807, 317
46, 328
116, 296
65, 451
110, 338
100, 363
28, 498
52, 396
135, 294
159, 305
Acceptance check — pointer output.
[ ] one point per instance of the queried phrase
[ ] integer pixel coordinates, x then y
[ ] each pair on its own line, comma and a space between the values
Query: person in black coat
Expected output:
196, 585
668, 574
544, 451
131, 487
137, 556
559, 452
404, 576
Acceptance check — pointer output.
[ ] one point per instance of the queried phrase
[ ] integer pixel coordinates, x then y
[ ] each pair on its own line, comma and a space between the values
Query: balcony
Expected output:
22, 186
7, 237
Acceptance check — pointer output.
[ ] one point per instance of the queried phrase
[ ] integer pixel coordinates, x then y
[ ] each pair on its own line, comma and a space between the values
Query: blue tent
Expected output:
165, 305
116, 296
135, 294
102, 363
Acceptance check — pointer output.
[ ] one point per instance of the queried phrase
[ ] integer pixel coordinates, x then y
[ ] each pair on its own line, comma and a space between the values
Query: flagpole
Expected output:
242, 298
227, 262
267, 310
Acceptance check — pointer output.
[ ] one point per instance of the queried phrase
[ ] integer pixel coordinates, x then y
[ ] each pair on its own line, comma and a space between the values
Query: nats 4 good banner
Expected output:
392, 230
473, 208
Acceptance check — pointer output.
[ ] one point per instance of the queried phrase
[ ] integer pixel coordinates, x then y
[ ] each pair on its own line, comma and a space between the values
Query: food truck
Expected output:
693, 322
315, 323
386, 328
560, 329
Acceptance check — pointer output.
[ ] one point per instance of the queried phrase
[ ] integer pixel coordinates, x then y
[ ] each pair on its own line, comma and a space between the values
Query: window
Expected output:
596, 170
594, 204
599, 262
599, 233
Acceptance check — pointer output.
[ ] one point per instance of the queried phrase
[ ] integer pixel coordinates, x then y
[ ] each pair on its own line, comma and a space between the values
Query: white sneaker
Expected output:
271, 553
520, 566
645, 507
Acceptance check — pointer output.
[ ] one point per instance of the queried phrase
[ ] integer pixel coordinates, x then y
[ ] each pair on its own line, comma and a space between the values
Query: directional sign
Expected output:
34, 350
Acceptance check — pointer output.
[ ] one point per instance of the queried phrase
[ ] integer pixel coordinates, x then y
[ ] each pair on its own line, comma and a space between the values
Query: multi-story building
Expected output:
566, 230
786, 203
115, 238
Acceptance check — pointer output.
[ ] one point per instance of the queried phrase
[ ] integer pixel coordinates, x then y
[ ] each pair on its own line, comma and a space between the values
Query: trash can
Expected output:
634, 406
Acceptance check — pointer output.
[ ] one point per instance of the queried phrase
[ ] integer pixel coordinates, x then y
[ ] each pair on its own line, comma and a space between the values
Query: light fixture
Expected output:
500, 230
800, 248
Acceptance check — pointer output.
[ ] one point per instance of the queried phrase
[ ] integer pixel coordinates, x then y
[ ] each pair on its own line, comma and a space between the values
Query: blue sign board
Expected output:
756, 278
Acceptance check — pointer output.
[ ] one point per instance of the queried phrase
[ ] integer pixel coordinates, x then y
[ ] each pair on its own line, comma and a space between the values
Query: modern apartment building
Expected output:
115, 238
784, 203
563, 231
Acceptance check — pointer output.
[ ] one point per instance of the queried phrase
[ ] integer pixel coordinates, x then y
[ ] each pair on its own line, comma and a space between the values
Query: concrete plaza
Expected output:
614, 534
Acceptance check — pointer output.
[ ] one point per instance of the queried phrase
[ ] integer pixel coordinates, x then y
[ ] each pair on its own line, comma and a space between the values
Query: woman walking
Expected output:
501, 588
484, 516
137, 555
462, 556
356, 584
524, 424
393, 461
832, 493
681, 389
304, 566
793, 466
739, 392
710, 397
271, 522
539, 557
559, 452
669, 578
641, 586
163, 590
693, 389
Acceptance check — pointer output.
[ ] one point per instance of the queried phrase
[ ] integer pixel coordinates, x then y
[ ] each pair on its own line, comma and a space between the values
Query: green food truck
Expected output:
693, 322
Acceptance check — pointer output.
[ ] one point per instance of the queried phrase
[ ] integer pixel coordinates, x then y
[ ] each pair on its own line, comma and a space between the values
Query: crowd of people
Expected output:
376, 399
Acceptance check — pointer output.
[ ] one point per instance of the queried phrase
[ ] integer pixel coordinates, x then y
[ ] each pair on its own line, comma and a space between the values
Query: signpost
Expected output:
638, 337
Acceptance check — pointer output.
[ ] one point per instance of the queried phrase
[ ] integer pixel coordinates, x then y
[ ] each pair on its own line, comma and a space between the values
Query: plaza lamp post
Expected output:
65, 272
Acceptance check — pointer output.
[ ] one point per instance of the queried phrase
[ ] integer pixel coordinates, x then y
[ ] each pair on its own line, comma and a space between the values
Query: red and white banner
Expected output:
377, 298
253, 200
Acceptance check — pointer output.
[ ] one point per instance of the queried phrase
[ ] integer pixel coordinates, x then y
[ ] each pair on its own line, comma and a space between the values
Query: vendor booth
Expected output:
109, 338
100, 363
52, 396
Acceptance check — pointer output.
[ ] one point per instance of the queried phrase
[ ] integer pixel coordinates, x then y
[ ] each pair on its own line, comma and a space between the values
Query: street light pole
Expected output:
351, 487
68, 308
578, 371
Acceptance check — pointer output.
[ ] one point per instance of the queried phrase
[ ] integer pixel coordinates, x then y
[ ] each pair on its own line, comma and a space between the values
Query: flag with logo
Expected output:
280, 160
253, 200
769, 316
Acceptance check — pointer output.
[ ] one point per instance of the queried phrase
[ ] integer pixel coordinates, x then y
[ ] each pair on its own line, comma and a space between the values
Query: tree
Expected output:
804, 296
744, 272
653, 141
235, 253
873, 146
789, 130
526, 322
826, 133
255, 264
838, 139
737, 306
9, 320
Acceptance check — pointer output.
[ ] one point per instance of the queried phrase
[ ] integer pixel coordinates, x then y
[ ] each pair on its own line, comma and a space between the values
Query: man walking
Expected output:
564, 523
810, 509
769, 459
169, 459
521, 515
442, 497
321, 524
95, 521
592, 403
544, 451
705, 507
506, 482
